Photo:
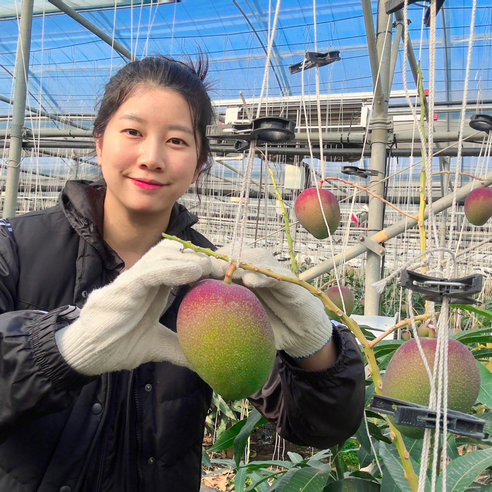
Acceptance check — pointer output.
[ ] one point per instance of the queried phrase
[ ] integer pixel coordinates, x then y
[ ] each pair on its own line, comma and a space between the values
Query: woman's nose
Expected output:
152, 155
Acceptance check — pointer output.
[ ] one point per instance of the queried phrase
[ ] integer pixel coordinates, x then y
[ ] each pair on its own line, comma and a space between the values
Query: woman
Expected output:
95, 392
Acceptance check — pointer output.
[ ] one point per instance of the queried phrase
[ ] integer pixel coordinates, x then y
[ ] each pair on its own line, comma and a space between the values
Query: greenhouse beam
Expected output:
119, 48
18, 108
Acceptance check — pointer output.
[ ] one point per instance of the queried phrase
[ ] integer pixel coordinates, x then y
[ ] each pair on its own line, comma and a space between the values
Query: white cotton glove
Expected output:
300, 324
118, 328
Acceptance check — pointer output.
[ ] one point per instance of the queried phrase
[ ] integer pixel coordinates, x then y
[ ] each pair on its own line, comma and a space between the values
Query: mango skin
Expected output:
406, 378
348, 298
308, 212
226, 336
478, 206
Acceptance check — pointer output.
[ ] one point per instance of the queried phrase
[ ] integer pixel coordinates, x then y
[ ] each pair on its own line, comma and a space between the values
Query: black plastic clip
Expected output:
267, 129
394, 5
312, 59
481, 122
360, 172
415, 415
434, 289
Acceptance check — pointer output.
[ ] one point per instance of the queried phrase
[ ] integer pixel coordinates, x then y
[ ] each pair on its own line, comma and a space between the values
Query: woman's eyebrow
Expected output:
134, 117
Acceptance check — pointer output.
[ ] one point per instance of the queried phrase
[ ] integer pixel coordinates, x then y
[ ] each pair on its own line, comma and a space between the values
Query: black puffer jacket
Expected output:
129, 431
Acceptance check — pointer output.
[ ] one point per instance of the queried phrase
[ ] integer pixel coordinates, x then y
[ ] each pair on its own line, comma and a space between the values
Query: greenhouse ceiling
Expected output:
69, 65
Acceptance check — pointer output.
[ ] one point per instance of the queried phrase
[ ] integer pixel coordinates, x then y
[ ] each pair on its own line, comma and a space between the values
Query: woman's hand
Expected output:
119, 327
300, 324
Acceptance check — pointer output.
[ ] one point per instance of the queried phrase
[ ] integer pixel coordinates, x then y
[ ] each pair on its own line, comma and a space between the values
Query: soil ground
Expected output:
264, 446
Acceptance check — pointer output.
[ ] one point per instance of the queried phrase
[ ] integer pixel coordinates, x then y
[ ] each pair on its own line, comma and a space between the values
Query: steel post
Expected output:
380, 124
18, 108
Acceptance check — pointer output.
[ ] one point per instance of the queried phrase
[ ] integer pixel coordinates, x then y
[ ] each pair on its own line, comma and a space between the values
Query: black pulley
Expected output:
360, 172
481, 122
273, 129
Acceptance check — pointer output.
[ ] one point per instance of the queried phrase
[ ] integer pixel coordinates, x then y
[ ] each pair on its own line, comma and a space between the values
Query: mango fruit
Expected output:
226, 336
406, 378
308, 211
336, 293
478, 206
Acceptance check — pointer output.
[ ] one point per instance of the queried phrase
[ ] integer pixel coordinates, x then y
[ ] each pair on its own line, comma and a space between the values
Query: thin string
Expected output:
459, 159
269, 55
431, 221
242, 216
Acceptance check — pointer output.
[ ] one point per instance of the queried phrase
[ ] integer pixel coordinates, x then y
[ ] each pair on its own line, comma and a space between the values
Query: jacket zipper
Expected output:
102, 454
137, 433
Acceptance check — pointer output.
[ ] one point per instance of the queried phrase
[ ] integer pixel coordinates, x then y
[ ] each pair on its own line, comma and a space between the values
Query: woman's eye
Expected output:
131, 131
176, 141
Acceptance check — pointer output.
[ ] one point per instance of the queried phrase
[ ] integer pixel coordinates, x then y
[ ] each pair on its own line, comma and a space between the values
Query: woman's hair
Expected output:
186, 78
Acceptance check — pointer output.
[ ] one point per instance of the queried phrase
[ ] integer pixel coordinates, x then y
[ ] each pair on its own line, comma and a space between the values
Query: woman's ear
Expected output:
198, 171
99, 144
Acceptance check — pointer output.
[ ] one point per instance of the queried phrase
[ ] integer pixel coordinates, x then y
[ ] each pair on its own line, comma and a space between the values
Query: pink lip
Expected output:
147, 185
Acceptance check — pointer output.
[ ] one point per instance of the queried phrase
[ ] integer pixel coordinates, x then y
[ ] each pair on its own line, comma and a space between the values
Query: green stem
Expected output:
295, 266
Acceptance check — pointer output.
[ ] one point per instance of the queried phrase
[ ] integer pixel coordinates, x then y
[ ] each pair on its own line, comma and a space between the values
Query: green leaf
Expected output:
414, 447
382, 348
377, 434
452, 449
240, 480
261, 465
487, 416
485, 394
463, 335
478, 487
473, 309
387, 482
305, 480
295, 457
226, 439
254, 420
394, 465
364, 475
206, 459
485, 353
283, 480
221, 404
462, 471
259, 481
368, 334
353, 485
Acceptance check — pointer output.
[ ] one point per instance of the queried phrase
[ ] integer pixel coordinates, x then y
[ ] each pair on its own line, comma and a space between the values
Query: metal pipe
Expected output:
395, 48
391, 231
39, 112
328, 137
412, 61
380, 125
353, 154
19, 108
371, 41
119, 48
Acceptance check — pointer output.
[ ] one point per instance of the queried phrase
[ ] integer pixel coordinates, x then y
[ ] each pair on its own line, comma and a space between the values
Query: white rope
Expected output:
242, 216
459, 159
269, 55
431, 221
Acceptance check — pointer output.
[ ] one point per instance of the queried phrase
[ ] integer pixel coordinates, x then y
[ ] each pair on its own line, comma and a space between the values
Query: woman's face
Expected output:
148, 154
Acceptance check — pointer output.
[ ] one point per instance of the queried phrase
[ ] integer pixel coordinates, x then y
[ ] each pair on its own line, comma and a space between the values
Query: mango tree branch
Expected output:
375, 195
349, 322
404, 322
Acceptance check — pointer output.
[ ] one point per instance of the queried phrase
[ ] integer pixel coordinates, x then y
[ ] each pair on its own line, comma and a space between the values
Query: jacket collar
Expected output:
83, 205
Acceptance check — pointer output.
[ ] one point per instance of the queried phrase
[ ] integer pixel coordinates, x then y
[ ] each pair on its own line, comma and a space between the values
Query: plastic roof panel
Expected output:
69, 65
